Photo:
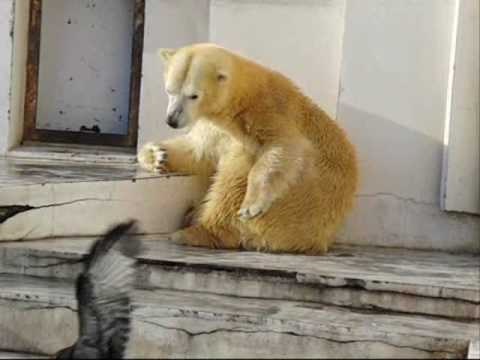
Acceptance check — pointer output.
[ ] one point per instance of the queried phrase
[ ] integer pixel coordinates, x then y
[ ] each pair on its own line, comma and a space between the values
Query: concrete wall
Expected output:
380, 66
168, 24
6, 22
285, 43
301, 38
393, 103
14, 16
393, 60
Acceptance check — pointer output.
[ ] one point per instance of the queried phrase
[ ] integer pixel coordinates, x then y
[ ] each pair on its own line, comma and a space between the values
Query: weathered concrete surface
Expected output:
474, 349
394, 220
12, 355
398, 204
40, 199
188, 324
385, 280
395, 56
76, 153
6, 32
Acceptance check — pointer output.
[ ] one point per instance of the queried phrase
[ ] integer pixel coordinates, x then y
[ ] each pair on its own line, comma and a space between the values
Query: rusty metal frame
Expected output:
31, 133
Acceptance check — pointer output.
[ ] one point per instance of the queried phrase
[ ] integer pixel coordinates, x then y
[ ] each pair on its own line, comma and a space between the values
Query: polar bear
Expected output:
280, 174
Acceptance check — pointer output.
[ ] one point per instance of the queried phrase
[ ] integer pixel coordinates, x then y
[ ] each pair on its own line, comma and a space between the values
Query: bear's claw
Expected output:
251, 212
160, 159
153, 157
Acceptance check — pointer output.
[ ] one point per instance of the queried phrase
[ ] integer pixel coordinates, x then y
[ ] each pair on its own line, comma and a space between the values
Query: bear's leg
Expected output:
195, 235
198, 235
278, 168
216, 224
174, 156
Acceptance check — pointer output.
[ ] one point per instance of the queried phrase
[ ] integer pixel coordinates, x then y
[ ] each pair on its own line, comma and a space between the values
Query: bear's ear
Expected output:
166, 54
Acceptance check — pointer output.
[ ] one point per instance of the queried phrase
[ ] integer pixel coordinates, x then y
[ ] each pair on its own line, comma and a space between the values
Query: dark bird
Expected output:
103, 293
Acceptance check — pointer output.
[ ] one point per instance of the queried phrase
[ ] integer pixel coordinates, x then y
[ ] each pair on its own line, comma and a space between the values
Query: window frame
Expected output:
31, 133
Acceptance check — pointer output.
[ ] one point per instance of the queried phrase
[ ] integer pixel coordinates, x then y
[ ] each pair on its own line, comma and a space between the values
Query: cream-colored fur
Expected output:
280, 173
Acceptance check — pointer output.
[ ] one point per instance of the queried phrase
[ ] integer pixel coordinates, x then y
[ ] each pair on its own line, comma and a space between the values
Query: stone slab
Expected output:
385, 280
4, 355
75, 153
474, 349
41, 199
188, 324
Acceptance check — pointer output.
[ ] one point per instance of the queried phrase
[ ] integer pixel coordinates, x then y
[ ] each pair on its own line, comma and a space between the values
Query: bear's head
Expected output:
197, 81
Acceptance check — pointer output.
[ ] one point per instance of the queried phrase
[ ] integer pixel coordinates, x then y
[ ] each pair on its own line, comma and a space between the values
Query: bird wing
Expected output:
103, 292
88, 343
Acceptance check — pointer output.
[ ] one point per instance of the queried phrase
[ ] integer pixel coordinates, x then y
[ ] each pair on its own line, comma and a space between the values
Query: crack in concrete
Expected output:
242, 329
360, 284
292, 333
294, 277
398, 197
48, 307
8, 212
59, 263
28, 306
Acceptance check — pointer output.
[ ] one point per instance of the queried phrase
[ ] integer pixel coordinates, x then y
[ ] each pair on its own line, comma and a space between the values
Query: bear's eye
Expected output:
193, 97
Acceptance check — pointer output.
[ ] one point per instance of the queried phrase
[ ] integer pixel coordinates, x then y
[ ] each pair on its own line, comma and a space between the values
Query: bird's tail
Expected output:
119, 236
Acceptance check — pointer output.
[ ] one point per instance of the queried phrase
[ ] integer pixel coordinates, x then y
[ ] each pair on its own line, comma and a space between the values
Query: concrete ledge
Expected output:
75, 153
384, 280
4, 355
40, 199
188, 324
474, 348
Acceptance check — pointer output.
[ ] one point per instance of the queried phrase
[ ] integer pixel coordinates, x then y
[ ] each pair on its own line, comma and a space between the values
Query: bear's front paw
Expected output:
250, 211
153, 157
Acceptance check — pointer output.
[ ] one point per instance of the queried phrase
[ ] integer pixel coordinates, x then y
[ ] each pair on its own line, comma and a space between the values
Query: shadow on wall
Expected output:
398, 201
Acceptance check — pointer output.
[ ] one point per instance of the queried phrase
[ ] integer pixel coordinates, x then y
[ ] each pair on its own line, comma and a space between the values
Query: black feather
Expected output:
103, 293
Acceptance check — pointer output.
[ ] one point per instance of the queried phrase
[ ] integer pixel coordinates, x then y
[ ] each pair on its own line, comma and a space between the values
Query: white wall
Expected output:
301, 38
392, 102
392, 86
168, 24
285, 43
388, 60
6, 12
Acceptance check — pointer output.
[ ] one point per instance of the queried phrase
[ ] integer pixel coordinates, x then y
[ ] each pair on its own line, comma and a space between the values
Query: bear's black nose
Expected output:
174, 117
172, 121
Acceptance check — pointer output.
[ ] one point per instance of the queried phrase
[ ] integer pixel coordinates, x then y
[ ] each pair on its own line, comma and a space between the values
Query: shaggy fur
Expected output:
280, 173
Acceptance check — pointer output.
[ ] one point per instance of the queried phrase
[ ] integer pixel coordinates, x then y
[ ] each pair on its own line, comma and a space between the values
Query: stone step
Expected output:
384, 280
4, 355
40, 198
474, 349
39, 316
